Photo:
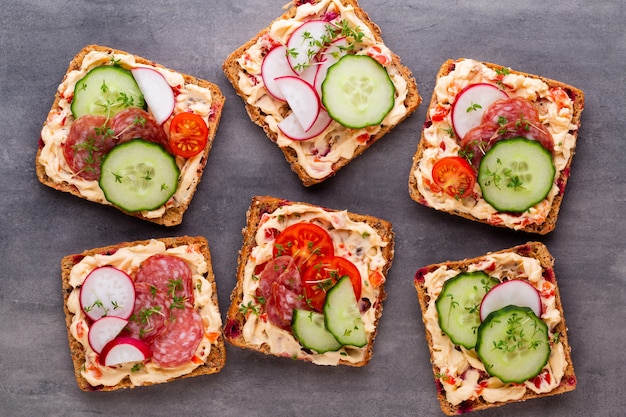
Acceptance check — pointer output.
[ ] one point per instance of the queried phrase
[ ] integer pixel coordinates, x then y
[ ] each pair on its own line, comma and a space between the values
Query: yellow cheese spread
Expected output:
189, 97
356, 241
556, 117
128, 260
461, 373
317, 155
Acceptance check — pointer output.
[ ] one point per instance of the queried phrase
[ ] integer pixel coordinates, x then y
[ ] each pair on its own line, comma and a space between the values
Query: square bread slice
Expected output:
163, 308
462, 379
293, 255
318, 153
543, 110
73, 165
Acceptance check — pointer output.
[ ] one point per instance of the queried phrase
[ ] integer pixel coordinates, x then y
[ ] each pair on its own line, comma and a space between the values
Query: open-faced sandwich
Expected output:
322, 84
127, 132
495, 329
497, 146
310, 283
142, 313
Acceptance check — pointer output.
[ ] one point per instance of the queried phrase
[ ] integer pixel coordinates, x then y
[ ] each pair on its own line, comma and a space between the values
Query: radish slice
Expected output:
470, 105
302, 99
310, 73
103, 330
107, 291
514, 292
124, 349
156, 91
275, 65
290, 126
305, 42
330, 55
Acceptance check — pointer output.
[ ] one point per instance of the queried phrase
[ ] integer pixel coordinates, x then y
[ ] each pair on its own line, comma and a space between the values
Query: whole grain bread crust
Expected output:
549, 224
534, 250
214, 362
173, 215
235, 319
232, 68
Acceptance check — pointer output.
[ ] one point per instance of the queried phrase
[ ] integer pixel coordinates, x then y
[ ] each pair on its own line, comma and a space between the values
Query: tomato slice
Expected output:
188, 134
455, 176
322, 276
305, 242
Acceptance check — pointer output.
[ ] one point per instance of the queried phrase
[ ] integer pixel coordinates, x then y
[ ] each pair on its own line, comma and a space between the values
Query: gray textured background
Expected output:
578, 42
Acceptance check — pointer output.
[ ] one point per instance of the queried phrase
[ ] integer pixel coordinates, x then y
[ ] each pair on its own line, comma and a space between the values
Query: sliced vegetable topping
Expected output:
107, 291
342, 316
454, 175
470, 105
309, 329
105, 91
324, 274
188, 134
157, 92
513, 344
358, 92
124, 349
103, 330
512, 292
458, 306
138, 175
515, 174
305, 242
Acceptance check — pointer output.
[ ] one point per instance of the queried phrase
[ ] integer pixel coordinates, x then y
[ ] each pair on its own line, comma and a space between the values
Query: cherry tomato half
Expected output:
305, 242
322, 276
188, 134
454, 175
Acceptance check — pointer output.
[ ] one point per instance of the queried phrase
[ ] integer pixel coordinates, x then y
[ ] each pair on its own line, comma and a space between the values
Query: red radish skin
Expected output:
302, 99
291, 128
156, 91
103, 330
275, 65
107, 291
305, 42
514, 292
123, 350
470, 105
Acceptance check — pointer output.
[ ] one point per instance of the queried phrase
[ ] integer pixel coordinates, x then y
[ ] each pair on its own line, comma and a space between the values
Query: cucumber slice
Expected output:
513, 344
515, 174
105, 91
138, 175
342, 316
458, 306
357, 91
308, 327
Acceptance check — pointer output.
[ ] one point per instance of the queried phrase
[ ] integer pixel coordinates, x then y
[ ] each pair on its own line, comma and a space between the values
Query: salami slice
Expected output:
477, 141
281, 287
511, 110
180, 339
149, 314
134, 123
87, 143
505, 119
170, 275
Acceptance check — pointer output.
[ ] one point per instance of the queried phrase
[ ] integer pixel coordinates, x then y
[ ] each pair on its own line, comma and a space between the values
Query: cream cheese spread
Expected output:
188, 97
317, 155
556, 117
461, 373
356, 241
128, 260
